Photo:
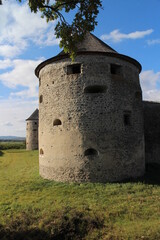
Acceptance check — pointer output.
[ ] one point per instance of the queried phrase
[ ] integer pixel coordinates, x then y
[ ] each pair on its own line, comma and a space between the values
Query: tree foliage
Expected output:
85, 13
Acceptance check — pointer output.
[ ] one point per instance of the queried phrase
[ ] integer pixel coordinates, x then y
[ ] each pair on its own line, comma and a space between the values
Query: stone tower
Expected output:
152, 131
90, 115
32, 131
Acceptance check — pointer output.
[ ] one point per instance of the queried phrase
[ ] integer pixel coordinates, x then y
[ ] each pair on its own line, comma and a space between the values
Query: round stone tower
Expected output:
32, 131
90, 115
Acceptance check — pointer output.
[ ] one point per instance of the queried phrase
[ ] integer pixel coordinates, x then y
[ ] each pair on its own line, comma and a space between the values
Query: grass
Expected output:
34, 208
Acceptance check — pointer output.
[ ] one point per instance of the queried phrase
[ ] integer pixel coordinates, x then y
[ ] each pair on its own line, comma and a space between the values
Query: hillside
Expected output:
11, 138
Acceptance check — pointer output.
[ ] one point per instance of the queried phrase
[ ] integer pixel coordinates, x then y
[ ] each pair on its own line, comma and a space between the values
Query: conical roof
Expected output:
92, 44
34, 115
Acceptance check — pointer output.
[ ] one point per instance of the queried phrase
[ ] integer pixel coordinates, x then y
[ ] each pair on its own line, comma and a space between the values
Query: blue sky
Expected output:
130, 27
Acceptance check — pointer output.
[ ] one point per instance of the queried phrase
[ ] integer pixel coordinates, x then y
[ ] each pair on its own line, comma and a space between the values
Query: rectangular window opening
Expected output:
74, 69
127, 118
41, 99
116, 69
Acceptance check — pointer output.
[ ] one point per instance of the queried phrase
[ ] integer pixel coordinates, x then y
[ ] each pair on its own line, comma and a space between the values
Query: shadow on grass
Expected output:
36, 234
1, 153
62, 227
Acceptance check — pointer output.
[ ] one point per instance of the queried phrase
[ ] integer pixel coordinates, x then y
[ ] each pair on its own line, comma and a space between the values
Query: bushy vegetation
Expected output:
34, 208
12, 145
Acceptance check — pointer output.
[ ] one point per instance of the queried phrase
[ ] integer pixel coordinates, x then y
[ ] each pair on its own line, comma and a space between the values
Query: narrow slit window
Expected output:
57, 122
74, 69
39, 82
95, 89
116, 69
127, 119
41, 151
41, 99
90, 152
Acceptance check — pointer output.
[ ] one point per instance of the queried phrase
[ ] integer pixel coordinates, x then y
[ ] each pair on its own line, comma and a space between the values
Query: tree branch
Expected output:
56, 11
63, 4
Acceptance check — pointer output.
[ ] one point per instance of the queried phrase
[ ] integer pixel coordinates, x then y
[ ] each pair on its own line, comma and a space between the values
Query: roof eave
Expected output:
33, 119
110, 54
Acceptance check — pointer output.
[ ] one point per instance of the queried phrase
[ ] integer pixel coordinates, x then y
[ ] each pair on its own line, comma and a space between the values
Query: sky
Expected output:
130, 27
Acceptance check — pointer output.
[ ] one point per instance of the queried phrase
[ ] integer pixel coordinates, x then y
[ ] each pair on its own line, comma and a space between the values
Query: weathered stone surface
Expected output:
152, 131
101, 135
32, 131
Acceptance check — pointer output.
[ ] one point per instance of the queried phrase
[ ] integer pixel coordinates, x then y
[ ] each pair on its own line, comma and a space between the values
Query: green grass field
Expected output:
33, 208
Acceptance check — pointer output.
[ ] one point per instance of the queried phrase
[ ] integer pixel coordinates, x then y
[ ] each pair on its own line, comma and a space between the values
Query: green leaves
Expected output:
83, 21
70, 34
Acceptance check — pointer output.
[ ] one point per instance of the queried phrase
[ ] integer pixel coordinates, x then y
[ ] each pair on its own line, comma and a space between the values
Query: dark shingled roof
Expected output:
34, 115
91, 45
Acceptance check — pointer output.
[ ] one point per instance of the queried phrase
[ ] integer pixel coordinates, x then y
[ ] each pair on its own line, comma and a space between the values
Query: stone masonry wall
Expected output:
32, 135
91, 123
152, 131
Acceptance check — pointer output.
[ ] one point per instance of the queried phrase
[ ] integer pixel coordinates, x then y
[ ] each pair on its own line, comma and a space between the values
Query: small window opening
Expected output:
57, 122
74, 69
35, 123
127, 118
91, 152
115, 69
138, 95
41, 151
39, 82
95, 89
41, 98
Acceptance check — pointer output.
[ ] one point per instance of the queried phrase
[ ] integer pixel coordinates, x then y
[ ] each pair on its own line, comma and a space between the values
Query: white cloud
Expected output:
14, 112
149, 82
5, 63
29, 93
10, 51
22, 74
47, 39
19, 27
18, 30
153, 41
117, 36
8, 124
